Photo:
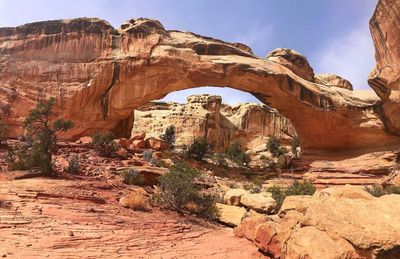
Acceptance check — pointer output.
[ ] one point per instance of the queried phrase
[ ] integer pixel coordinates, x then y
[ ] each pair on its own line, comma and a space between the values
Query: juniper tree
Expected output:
41, 136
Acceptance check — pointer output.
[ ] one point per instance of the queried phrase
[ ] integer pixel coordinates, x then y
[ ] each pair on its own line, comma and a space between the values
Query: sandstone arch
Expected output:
100, 74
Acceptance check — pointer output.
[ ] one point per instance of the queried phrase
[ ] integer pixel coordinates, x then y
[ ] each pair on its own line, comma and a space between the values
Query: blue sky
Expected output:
333, 35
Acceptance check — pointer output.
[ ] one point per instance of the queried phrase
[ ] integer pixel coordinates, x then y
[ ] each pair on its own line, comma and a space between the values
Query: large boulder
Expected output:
157, 144
337, 222
230, 215
261, 202
294, 61
232, 196
333, 80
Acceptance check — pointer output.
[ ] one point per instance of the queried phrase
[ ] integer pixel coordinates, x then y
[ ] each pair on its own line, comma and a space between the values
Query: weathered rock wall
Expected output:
99, 75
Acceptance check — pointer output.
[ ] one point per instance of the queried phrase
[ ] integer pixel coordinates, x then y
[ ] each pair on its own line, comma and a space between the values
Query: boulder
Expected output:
294, 61
157, 144
232, 196
296, 202
284, 161
140, 143
137, 136
337, 222
261, 202
123, 142
333, 80
84, 140
230, 215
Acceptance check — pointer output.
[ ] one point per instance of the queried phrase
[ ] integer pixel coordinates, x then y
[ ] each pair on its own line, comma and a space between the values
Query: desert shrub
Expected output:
169, 136
177, 189
378, 191
40, 139
255, 188
220, 160
198, 149
136, 201
155, 162
235, 153
263, 157
3, 132
148, 155
297, 188
104, 144
392, 189
133, 177
73, 164
278, 194
295, 145
301, 188
274, 146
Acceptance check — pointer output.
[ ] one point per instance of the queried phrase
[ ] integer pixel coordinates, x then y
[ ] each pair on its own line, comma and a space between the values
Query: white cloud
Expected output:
350, 56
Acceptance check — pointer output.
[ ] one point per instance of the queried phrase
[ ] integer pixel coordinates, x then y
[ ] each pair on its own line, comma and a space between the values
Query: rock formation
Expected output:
337, 222
385, 78
221, 124
99, 75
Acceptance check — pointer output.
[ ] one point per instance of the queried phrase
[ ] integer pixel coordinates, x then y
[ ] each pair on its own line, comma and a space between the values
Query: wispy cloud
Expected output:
350, 56
258, 37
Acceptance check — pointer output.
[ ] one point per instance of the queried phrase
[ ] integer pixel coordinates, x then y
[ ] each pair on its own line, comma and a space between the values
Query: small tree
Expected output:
73, 164
295, 145
274, 146
3, 132
178, 190
169, 136
41, 137
104, 144
198, 149
235, 153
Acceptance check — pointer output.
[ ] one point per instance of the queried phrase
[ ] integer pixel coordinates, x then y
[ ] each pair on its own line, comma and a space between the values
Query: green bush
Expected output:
220, 160
297, 188
40, 139
3, 132
235, 153
73, 164
198, 149
378, 191
169, 136
104, 144
274, 146
133, 177
301, 188
295, 145
177, 189
279, 195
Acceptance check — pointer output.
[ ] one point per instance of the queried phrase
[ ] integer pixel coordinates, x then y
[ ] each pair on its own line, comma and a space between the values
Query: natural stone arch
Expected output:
100, 74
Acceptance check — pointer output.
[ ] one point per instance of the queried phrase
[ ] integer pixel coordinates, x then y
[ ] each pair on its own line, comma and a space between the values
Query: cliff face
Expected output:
99, 75
385, 78
221, 124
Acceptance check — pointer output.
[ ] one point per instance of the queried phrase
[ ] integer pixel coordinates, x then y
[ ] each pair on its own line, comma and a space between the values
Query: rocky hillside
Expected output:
221, 124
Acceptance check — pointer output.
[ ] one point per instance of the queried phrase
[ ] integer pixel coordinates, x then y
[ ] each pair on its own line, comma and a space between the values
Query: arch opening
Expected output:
220, 115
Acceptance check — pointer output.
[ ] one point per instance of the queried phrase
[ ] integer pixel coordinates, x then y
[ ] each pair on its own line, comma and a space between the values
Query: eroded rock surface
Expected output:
81, 218
100, 74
